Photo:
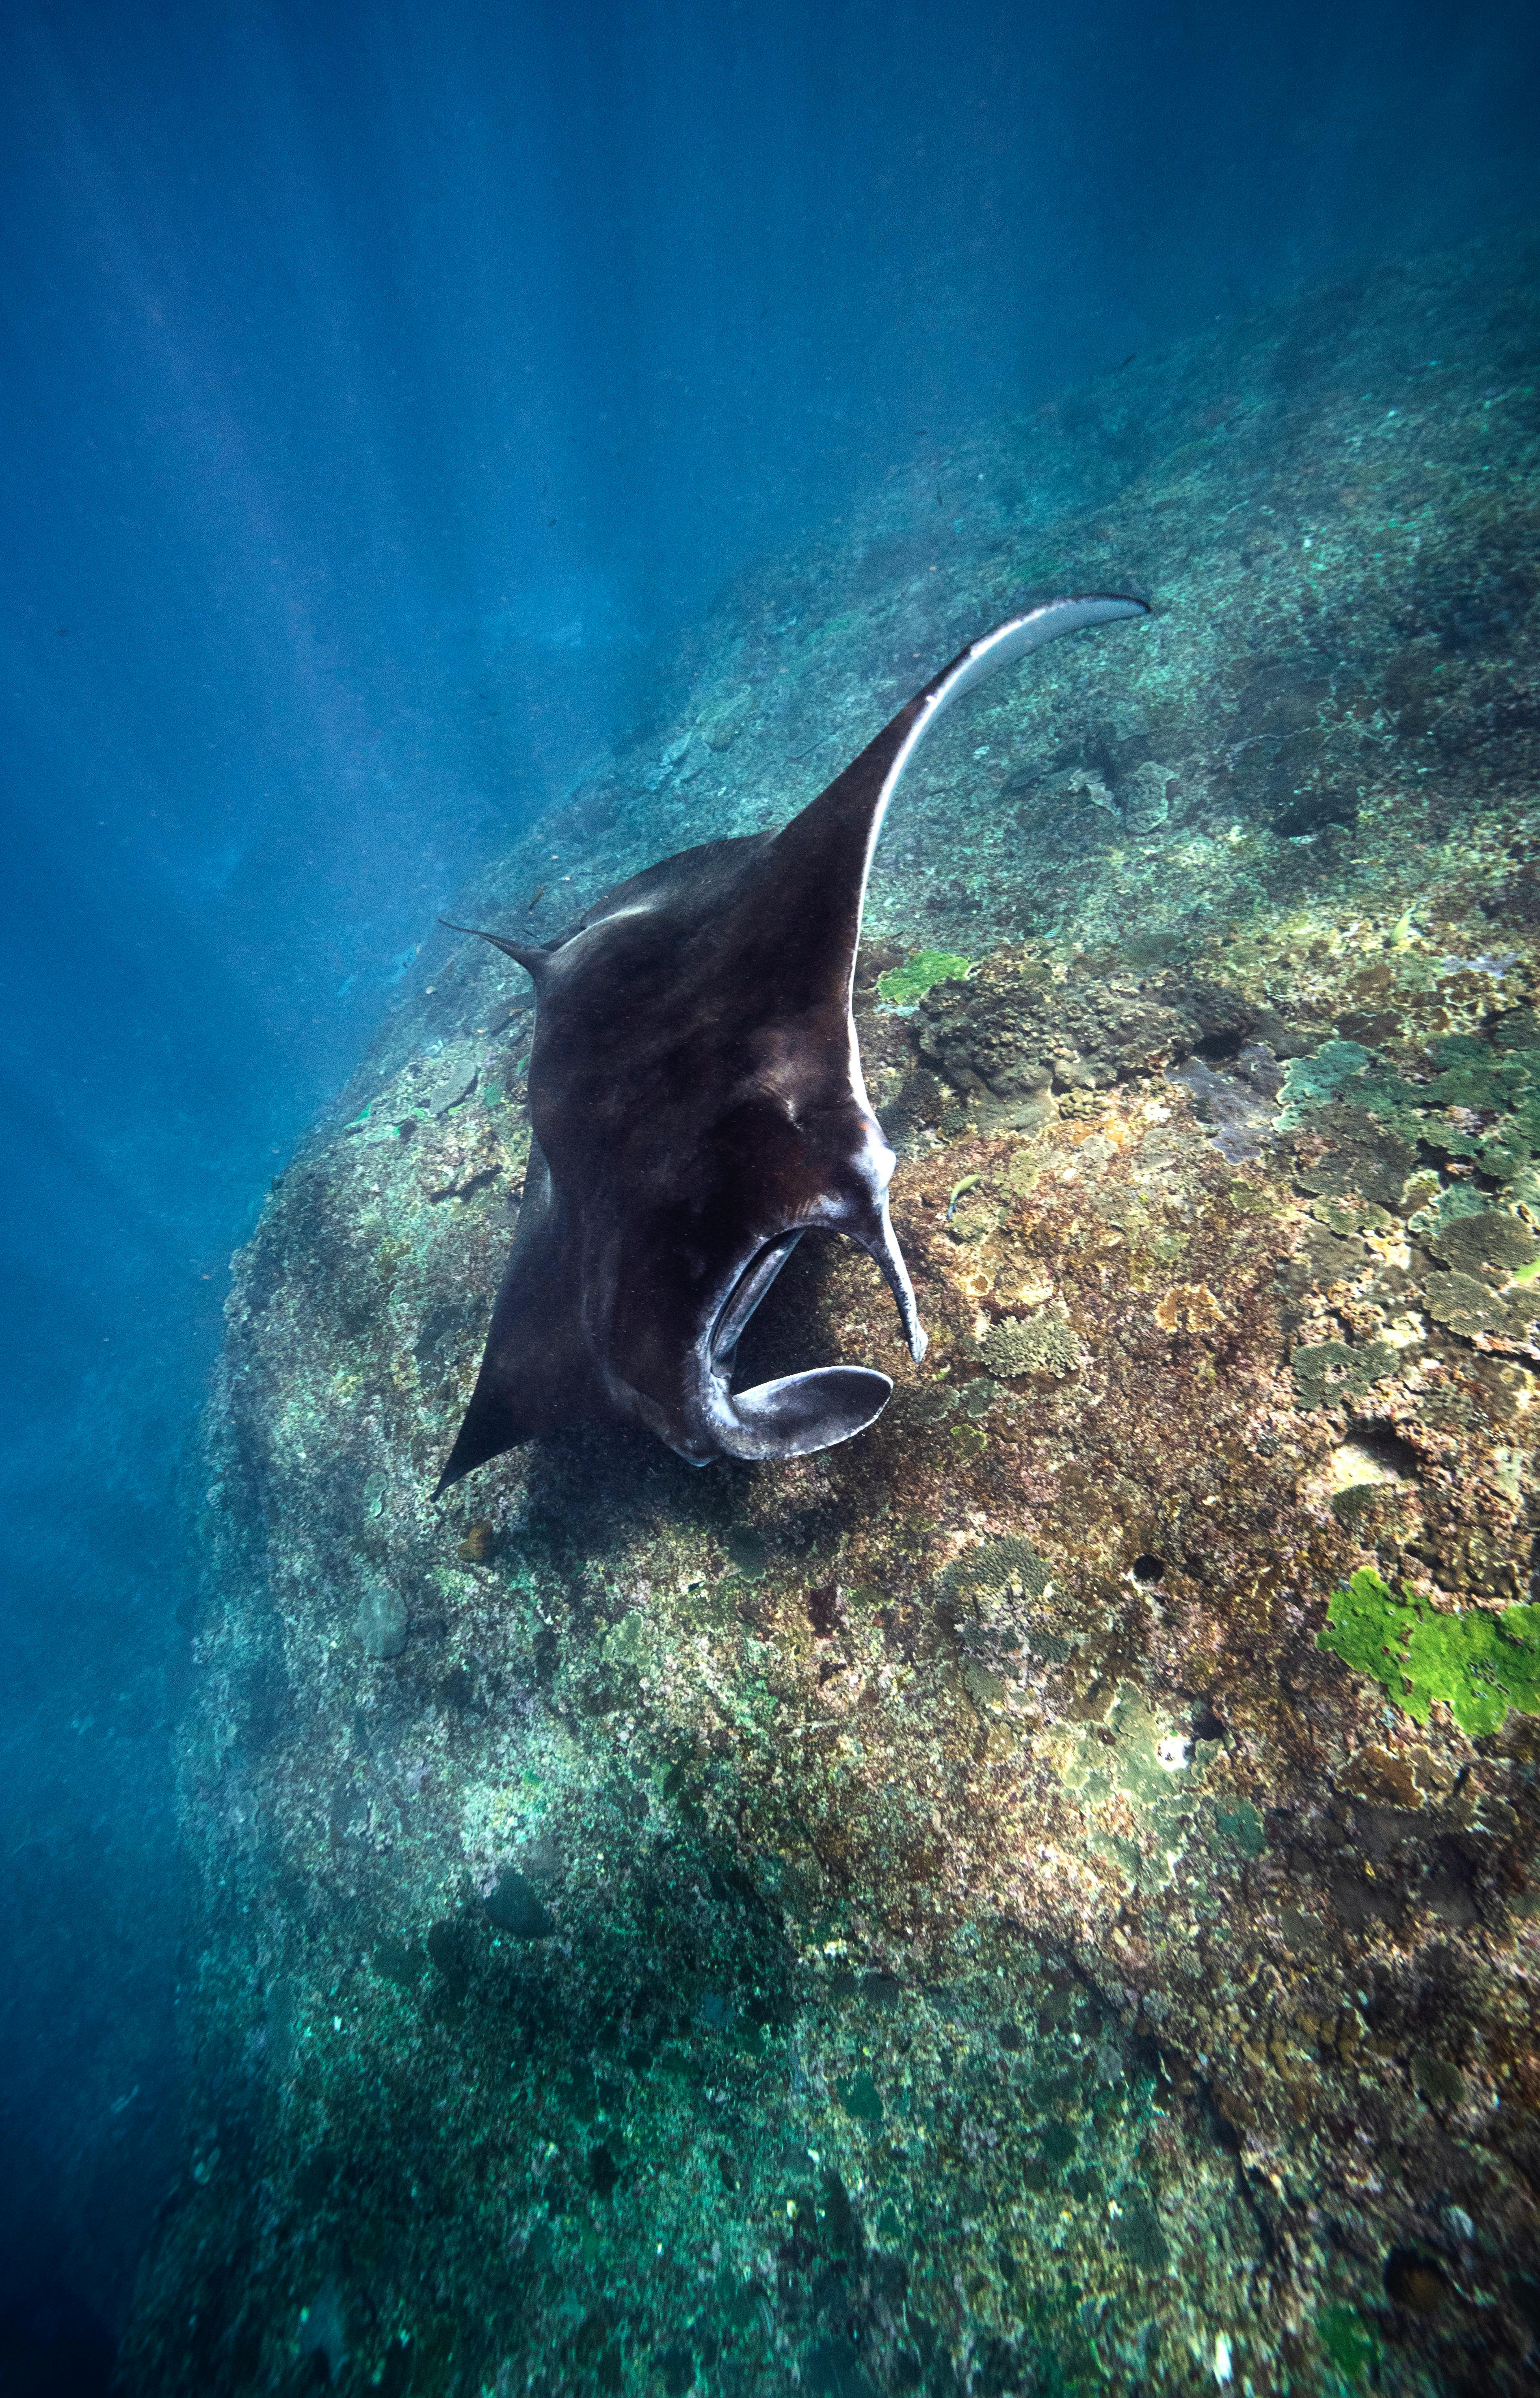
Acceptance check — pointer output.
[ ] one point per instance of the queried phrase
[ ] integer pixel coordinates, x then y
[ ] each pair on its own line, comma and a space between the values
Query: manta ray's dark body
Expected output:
697, 1105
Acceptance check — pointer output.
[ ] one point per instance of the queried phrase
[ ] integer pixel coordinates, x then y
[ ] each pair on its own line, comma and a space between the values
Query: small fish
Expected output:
536, 900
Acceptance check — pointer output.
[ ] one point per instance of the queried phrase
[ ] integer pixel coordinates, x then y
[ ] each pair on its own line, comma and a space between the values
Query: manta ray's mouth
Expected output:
754, 1281
745, 1296
791, 1416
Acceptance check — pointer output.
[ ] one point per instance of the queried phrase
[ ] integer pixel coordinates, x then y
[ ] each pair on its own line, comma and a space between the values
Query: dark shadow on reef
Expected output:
592, 1490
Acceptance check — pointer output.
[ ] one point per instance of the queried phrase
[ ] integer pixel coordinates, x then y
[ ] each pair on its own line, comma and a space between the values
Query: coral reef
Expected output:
1040, 1897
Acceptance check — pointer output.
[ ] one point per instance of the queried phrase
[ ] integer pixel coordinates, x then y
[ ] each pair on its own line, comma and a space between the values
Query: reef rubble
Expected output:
940, 1916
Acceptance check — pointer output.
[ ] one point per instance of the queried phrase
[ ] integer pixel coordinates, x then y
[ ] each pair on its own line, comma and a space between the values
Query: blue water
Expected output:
386, 391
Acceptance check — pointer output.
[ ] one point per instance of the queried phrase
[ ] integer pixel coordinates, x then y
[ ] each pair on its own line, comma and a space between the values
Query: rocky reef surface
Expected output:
1042, 1897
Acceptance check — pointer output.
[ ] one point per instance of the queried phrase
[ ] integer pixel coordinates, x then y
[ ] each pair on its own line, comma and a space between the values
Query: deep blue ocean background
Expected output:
385, 393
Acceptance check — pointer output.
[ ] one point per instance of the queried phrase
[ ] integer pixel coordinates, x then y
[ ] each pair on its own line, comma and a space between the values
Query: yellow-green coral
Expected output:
905, 985
1480, 1664
1044, 1343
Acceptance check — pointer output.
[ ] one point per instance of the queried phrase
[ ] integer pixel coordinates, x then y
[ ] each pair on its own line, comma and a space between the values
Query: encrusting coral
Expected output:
1044, 1343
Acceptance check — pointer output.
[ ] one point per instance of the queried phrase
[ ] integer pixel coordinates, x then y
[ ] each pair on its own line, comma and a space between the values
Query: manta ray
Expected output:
697, 1106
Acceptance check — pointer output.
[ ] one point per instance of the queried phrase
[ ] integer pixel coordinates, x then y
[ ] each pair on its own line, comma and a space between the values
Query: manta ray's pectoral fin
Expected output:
814, 869
531, 955
536, 1372
800, 1413
492, 1422
879, 1240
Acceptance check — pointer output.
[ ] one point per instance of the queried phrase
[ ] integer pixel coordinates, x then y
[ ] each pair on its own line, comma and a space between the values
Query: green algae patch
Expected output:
1478, 1664
1348, 2341
1367, 1629
906, 986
